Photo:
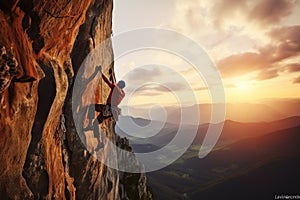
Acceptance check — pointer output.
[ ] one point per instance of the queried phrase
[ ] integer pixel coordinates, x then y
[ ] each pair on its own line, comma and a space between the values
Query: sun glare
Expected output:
243, 86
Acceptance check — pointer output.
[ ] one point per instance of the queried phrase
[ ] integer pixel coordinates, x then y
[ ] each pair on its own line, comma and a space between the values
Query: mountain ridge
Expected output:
236, 162
243, 112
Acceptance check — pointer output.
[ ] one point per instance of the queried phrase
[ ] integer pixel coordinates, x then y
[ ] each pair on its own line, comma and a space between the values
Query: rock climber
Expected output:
110, 109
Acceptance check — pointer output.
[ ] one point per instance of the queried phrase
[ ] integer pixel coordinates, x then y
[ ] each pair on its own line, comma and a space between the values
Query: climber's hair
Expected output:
121, 84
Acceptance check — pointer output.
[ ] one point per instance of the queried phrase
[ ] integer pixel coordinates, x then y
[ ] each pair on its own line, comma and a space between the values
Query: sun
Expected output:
243, 86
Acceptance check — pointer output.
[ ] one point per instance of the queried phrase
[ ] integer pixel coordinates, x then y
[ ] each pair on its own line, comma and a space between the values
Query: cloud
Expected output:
225, 10
228, 27
267, 74
142, 75
285, 44
167, 87
296, 80
188, 14
292, 67
194, 13
155, 89
240, 64
263, 12
171, 86
147, 93
200, 88
271, 11
288, 41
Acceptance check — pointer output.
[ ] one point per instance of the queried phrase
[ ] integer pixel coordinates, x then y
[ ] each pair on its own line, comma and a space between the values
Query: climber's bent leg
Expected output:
97, 136
100, 118
91, 114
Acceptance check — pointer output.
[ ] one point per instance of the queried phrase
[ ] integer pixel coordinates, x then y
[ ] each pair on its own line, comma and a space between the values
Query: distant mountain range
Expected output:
265, 166
232, 131
250, 161
257, 167
267, 111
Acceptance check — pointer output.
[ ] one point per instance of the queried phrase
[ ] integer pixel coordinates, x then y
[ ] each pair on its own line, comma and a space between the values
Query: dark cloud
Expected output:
296, 80
240, 64
287, 40
271, 11
264, 12
286, 33
293, 67
285, 44
267, 74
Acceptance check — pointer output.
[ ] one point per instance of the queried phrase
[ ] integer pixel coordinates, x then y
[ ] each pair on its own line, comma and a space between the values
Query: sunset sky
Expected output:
255, 45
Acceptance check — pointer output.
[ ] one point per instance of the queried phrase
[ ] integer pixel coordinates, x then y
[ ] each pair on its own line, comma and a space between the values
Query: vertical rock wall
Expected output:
42, 45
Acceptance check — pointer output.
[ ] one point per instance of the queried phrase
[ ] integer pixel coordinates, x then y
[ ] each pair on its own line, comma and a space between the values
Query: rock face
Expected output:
42, 46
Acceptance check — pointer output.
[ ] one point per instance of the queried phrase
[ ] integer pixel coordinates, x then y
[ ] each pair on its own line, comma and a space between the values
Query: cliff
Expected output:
42, 46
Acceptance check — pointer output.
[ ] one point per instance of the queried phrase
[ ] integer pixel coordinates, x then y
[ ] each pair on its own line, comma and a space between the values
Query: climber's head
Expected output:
121, 84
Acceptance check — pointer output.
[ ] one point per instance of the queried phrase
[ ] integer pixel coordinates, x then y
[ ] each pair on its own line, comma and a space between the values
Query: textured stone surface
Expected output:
43, 44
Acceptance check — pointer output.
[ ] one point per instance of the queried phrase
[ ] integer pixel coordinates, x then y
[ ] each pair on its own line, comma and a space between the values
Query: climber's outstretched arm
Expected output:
92, 76
107, 81
99, 68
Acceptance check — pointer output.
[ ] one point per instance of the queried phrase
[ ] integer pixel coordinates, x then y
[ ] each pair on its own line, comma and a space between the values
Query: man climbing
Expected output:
110, 109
